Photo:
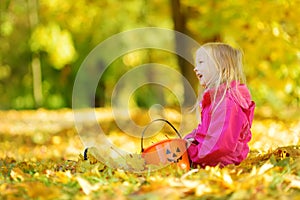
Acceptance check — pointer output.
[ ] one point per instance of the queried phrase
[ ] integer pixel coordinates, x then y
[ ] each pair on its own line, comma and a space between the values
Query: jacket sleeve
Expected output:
224, 127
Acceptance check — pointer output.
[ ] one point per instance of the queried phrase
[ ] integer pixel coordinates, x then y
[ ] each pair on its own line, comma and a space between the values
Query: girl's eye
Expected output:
200, 61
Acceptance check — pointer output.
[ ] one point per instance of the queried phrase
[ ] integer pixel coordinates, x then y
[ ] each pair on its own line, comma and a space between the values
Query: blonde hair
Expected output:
227, 60
229, 64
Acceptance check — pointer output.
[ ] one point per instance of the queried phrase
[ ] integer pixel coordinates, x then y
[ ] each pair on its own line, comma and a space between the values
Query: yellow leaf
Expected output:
203, 189
227, 179
135, 161
295, 184
37, 190
86, 187
8, 189
265, 168
63, 177
121, 173
18, 175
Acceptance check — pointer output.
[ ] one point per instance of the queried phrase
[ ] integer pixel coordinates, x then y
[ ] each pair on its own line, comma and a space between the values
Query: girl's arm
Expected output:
225, 125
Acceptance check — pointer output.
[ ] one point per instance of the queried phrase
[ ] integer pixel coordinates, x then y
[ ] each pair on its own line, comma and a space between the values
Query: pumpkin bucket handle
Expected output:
142, 138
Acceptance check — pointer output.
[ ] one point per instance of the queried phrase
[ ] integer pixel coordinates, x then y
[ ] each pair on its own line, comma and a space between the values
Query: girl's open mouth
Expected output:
199, 76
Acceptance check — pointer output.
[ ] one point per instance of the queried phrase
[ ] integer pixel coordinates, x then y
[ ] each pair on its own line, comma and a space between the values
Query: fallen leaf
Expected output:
86, 187
37, 190
135, 161
18, 175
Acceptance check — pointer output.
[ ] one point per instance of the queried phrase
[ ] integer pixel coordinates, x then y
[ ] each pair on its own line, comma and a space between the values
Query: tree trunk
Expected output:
35, 62
179, 20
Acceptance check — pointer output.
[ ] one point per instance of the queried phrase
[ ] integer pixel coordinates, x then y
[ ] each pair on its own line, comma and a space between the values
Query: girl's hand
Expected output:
189, 141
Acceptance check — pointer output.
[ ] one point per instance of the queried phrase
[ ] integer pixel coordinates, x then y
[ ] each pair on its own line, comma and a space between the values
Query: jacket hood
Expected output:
241, 95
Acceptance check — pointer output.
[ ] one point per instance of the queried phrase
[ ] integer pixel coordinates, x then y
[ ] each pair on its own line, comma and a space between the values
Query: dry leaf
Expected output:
38, 189
86, 187
136, 162
18, 175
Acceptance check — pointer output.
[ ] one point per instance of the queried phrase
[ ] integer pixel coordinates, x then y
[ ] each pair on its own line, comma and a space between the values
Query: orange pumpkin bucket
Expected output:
167, 151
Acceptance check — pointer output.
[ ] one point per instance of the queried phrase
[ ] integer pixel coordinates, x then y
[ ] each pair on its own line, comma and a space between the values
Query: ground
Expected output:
41, 157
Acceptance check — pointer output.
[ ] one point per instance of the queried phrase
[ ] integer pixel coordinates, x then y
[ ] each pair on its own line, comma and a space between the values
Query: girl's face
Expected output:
205, 69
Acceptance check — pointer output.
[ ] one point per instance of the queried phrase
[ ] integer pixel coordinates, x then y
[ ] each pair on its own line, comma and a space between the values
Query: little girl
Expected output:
226, 108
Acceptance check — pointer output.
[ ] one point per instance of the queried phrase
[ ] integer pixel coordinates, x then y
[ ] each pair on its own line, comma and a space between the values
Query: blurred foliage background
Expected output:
44, 42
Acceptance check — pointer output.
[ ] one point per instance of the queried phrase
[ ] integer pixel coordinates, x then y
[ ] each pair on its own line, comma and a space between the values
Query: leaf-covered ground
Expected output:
41, 158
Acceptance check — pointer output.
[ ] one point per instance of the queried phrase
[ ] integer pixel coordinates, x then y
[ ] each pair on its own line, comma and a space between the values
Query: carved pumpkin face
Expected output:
172, 156
167, 152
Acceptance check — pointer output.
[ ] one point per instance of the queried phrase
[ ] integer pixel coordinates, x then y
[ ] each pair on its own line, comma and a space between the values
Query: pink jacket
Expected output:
223, 134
